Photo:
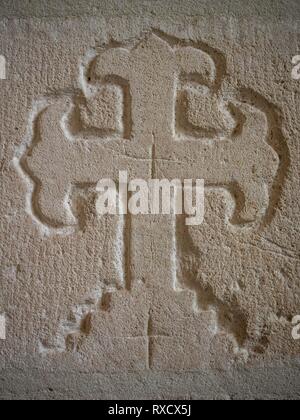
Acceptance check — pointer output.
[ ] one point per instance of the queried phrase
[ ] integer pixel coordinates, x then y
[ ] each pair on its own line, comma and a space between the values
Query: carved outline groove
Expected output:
275, 140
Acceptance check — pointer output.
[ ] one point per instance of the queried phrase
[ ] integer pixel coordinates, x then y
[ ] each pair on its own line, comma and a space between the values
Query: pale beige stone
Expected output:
146, 306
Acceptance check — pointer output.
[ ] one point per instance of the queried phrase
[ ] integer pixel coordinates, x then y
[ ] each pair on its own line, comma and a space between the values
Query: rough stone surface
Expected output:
146, 306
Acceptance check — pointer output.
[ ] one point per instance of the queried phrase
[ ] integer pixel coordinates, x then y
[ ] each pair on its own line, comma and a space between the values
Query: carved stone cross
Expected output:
155, 110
